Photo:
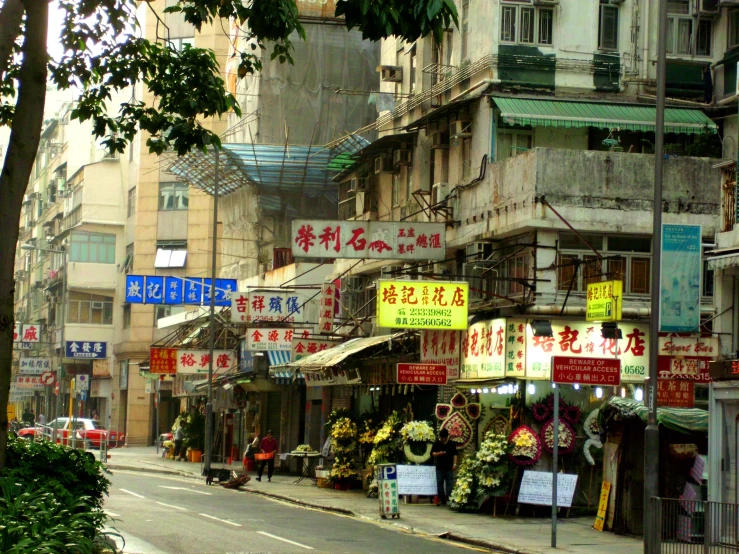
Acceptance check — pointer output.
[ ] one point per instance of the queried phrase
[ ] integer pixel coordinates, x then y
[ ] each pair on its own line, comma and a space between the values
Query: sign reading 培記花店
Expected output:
603, 301
384, 240
680, 282
422, 304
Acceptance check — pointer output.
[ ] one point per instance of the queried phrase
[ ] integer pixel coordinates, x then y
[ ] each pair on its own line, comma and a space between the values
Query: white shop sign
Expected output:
536, 488
420, 480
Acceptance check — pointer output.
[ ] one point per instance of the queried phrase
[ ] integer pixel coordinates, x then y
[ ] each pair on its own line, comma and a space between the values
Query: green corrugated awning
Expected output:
683, 420
555, 113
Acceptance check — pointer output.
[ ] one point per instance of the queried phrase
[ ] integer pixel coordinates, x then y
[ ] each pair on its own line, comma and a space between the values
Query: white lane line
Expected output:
184, 489
171, 506
222, 520
132, 493
284, 540
112, 514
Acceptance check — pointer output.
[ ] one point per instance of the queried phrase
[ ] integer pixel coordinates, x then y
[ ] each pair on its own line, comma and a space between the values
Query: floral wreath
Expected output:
457, 417
592, 430
566, 437
571, 414
526, 446
540, 411
417, 458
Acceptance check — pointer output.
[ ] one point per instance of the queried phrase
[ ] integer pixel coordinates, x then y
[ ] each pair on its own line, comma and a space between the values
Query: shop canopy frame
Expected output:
683, 420
539, 112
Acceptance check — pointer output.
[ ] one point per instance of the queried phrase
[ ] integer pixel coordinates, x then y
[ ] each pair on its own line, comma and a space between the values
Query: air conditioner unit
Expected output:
27, 200
390, 73
383, 164
97, 305
439, 192
708, 7
478, 250
461, 129
439, 140
358, 183
402, 157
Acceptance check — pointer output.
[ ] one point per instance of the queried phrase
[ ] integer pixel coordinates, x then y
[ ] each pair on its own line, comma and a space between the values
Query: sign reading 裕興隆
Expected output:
385, 240
681, 276
198, 361
422, 304
603, 301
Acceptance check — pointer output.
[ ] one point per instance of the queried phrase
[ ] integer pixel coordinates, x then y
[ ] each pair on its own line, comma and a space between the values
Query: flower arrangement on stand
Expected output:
566, 438
388, 444
457, 417
525, 446
484, 475
367, 429
344, 445
418, 438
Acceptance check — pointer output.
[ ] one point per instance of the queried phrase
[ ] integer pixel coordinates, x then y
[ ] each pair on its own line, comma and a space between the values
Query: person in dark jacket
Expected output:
444, 452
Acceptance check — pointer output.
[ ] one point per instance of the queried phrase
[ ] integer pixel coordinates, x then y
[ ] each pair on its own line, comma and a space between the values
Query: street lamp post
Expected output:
651, 433
58, 409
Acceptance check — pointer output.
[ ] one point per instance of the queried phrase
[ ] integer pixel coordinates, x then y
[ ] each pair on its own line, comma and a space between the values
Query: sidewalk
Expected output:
511, 534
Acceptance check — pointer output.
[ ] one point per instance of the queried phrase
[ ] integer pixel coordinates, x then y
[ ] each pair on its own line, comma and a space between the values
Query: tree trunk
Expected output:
11, 14
24, 140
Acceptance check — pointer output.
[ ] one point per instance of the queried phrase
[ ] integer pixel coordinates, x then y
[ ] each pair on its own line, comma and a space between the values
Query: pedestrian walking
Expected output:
267, 446
179, 439
27, 418
41, 419
444, 452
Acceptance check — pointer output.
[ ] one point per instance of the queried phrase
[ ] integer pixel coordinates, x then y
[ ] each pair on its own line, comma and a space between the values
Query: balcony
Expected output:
72, 218
593, 190
348, 208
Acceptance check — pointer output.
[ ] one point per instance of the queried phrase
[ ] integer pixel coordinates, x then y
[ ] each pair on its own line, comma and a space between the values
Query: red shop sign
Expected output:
567, 370
421, 374
684, 367
675, 393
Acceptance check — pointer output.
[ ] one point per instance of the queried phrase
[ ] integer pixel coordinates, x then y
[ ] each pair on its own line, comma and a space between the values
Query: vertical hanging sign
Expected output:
326, 308
681, 273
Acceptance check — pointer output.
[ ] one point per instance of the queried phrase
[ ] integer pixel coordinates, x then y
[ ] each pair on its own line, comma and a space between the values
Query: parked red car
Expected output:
85, 429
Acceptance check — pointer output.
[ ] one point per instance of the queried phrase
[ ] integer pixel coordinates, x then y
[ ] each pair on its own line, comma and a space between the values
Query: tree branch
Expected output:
11, 14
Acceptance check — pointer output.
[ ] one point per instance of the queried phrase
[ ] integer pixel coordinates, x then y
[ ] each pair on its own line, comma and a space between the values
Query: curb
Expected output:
298, 502
149, 470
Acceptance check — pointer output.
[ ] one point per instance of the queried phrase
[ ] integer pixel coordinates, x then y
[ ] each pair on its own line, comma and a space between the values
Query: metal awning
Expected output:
683, 420
632, 117
723, 258
274, 169
278, 357
337, 354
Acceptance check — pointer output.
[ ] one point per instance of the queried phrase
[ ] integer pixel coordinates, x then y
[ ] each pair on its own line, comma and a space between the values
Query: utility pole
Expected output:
212, 336
651, 433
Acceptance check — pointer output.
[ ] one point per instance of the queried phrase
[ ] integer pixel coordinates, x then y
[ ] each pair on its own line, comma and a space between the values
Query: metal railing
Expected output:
694, 526
46, 432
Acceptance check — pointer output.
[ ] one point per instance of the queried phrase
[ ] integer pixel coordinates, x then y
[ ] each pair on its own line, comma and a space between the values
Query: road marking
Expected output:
171, 506
132, 493
184, 489
284, 540
222, 520
112, 514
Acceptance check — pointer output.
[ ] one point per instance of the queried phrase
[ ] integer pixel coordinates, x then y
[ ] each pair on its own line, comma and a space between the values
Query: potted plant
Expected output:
195, 435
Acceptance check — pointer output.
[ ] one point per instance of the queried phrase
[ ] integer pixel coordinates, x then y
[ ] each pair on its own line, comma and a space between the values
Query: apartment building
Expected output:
67, 266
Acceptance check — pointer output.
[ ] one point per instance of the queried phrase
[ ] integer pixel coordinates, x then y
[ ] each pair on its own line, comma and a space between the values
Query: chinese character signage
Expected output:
17, 332
387, 479
421, 374
675, 393
681, 273
101, 368
239, 307
694, 368
163, 361
151, 289
269, 339
198, 361
569, 370
584, 340
32, 382
303, 347
86, 349
326, 308
695, 345
515, 348
441, 347
603, 301
483, 350
34, 366
422, 304
30, 332
724, 369
386, 240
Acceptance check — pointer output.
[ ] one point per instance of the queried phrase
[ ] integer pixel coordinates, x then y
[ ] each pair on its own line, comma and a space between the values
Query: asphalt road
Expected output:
158, 514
